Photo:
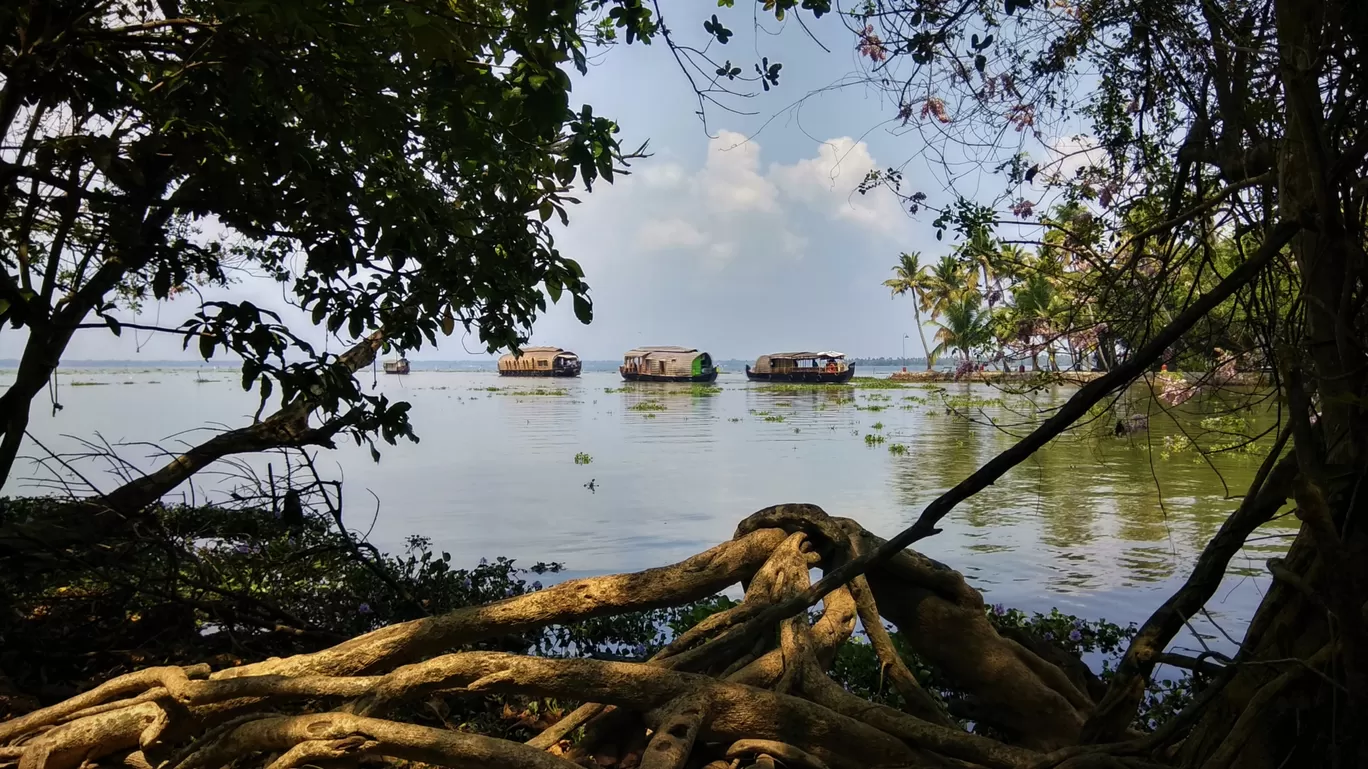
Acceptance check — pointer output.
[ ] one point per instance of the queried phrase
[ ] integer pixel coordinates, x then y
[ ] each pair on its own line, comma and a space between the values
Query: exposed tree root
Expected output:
761, 698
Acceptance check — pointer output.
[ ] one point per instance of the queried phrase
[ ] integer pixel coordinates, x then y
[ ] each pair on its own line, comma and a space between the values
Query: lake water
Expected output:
1097, 525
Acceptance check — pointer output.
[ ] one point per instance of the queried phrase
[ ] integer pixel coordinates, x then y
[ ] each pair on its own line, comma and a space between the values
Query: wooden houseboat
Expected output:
815, 367
667, 364
540, 361
398, 366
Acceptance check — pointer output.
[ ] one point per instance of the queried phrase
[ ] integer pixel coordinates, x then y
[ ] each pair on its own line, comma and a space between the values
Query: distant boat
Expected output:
400, 366
540, 361
814, 367
667, 364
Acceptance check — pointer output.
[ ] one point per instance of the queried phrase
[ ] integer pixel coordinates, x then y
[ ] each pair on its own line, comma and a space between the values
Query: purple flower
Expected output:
999, 609
1049, 636
1078, 622
639, 650
1074, 635
364, 608
536, 586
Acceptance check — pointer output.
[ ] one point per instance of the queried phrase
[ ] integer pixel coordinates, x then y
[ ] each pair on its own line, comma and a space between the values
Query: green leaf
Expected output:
583, 309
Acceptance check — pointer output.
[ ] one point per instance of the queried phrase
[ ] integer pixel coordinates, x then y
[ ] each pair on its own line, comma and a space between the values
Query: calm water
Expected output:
1094, 524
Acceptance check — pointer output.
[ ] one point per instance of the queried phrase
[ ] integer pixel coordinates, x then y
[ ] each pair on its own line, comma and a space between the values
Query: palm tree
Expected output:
947, 283
909, 277
965, 328
1033, 301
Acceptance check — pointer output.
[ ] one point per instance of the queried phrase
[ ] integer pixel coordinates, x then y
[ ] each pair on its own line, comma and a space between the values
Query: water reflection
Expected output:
1096, 523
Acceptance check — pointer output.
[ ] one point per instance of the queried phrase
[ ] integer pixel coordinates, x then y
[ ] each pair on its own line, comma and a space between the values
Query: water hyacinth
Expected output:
537, 585
1074, 635
999, 610
363, 609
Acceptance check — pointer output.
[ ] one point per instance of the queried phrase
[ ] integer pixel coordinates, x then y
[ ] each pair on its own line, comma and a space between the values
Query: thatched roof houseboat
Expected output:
667, 364
540, 361
816, 367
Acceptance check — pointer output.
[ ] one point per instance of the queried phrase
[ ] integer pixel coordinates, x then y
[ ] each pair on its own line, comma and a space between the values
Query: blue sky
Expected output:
746, 241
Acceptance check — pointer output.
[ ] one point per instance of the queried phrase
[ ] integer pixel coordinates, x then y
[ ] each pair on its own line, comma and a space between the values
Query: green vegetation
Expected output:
873, 439
702, 390
540, 391
647, 406
582, 458
877, 426
897, 448
875, 383
774, 417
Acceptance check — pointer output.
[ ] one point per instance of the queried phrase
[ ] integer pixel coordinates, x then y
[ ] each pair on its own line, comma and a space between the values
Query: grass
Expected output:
583, 459
897, 448
647, 406
873, 440
876, 383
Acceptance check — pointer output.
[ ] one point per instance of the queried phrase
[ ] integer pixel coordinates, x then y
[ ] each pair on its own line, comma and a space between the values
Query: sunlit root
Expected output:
764, 698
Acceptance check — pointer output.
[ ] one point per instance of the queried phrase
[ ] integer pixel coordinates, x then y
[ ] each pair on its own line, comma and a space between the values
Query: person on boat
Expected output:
831, 367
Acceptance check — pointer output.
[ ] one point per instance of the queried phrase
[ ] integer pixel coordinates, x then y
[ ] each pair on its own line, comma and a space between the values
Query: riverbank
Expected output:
1249, 379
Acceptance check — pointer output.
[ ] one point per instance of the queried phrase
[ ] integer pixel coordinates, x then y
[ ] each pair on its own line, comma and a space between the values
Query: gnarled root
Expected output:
764, 696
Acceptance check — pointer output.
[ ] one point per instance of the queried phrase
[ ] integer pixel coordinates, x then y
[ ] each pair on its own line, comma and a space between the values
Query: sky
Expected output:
743, 237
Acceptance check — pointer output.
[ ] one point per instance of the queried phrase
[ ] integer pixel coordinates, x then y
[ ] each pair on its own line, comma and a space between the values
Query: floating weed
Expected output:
876, 383
876, 426
873, 440
800, 387
583, 459
649, 415
878, 397
784, 404
647, 406
897, 448
704, 390
734, 419
1228, 423
917, 399
539, 391
774, 418
611, 390
796, 430
870, 408
88, 384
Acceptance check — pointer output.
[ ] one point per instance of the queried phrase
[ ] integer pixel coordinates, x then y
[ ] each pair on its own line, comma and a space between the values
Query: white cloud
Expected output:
731, 182
828, 182
664, 234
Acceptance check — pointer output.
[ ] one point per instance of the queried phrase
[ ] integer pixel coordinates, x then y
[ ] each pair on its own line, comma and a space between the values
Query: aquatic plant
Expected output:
701, 390
647, 406
876, 383
897, 448
877, 426
582, 458
774, 418
873, 439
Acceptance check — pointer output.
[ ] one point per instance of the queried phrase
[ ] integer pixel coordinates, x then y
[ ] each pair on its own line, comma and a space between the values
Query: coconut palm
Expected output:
1033, 302
910, 277
948, 282
966, 326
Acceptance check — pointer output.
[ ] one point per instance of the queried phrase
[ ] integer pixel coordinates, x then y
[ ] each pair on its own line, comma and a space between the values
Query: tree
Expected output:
392, 165
965, 328
909, 277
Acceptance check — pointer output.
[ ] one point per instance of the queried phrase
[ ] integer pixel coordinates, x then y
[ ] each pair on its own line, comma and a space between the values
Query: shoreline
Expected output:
1247, 379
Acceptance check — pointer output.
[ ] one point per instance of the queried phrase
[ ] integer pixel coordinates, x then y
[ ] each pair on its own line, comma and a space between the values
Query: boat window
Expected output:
543, 363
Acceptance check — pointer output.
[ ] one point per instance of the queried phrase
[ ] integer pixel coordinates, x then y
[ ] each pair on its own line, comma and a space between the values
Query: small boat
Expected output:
814, 367
667, 364
540, 361
400, 366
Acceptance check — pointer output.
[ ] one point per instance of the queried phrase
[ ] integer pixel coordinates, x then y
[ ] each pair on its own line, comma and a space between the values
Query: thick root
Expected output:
764, 696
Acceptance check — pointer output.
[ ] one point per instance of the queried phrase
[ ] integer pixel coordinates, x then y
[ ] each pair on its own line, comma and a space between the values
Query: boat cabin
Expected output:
540, 361
398, 366
667, 364
826, 367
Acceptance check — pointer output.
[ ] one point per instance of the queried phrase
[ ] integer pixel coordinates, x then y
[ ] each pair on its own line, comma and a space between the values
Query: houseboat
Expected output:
540, 361
815, 367
398, 366
667, 364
